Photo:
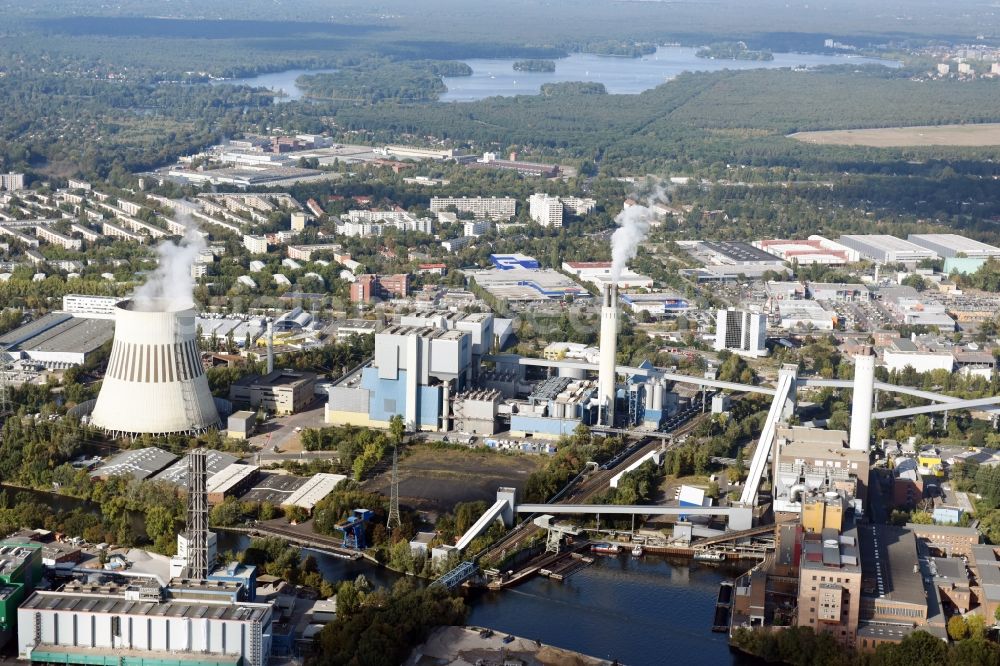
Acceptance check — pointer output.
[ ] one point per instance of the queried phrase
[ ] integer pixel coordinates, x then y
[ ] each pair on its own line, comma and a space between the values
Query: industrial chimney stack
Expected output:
863, 401
609, 351
270, 347
197, 516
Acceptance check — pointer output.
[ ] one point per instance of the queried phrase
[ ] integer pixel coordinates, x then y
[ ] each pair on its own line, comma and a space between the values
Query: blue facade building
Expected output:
235, 572
506, 262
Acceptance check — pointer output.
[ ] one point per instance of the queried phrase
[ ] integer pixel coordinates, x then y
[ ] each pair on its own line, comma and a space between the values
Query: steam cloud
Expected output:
633, 225
170, 287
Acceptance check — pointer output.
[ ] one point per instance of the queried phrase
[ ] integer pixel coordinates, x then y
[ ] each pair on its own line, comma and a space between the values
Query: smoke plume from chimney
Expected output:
170, 287
633, 225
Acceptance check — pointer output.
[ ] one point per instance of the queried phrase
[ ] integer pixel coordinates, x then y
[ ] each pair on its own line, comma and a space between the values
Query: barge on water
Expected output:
605, 548
723, 607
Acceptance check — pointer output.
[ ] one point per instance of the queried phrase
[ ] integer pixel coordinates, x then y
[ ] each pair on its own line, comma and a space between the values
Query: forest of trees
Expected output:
379, 627
801, 646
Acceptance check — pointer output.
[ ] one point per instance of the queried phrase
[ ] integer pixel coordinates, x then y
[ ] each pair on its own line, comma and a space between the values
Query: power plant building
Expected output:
414, 371
155, 382
741, 332
138, 626
20, 572
555, 408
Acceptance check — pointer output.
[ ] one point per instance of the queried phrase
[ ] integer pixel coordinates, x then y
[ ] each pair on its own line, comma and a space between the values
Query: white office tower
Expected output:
155, 382
609, 352
741, 332
863, 402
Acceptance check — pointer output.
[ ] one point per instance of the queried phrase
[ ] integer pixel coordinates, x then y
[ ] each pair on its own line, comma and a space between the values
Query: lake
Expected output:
629, 76
279, 82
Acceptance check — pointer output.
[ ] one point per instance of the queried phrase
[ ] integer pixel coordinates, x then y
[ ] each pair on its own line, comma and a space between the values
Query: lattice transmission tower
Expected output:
394, 520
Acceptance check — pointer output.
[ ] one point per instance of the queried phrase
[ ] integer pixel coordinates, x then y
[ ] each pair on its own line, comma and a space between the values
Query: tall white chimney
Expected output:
270, 347
863, 401
609, 351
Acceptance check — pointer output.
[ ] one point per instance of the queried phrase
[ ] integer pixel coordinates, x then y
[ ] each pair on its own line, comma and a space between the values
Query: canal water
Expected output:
640, 611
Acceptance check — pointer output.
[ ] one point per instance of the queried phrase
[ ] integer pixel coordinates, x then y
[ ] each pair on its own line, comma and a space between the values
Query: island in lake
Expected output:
732, 51
573, 88
535, 66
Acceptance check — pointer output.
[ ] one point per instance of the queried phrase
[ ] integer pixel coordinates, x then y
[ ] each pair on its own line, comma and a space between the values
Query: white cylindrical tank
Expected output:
650, 390
155, 382
658, 390
446, 407
573, 373
609, 351
862, 403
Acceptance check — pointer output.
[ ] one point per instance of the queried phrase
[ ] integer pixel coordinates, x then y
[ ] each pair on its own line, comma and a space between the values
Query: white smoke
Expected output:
633, 225
170, 287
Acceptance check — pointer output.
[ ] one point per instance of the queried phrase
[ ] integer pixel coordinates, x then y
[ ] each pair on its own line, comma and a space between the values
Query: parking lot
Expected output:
283, 433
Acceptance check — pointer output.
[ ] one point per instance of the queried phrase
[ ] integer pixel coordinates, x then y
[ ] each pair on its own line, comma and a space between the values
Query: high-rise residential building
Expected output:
477, 227
545, 210
493, 208
578, 205
742, 332
549, 211
11, 181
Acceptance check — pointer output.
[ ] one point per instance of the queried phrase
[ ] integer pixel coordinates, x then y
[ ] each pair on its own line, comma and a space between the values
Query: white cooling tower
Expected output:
862, 403
609, 351
155, 382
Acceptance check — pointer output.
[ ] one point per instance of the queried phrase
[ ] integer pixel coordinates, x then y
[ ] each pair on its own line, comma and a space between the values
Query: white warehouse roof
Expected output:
315, 489
228, 477
951, 245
